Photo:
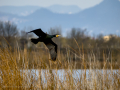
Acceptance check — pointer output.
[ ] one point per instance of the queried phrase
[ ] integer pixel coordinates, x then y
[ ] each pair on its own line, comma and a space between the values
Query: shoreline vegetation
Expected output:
85, 59
15, 65
78, 51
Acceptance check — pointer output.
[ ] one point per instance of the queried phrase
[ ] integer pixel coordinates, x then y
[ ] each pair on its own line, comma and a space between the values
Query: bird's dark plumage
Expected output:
47, 39
39, 33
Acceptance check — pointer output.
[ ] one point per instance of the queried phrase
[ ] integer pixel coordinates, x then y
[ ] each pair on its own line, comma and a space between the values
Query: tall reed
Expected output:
32, 70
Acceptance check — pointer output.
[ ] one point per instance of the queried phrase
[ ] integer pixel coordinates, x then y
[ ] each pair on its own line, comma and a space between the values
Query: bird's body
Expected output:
47, 40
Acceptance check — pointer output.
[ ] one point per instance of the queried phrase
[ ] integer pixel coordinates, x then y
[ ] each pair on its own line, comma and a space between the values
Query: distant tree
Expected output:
23, 39
77, 36
100, 41
1, 31
113, 41
9, 31
56, 30
1, 28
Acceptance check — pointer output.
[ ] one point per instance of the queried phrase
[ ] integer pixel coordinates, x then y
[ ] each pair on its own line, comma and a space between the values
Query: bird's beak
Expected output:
57, 35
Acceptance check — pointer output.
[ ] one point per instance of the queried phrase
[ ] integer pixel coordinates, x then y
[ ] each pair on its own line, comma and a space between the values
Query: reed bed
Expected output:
32, 70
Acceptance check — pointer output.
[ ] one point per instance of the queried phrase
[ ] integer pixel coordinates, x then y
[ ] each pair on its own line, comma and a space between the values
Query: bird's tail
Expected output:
35, 41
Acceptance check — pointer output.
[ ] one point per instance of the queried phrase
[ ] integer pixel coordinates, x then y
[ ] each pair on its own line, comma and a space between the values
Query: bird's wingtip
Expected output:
28, 32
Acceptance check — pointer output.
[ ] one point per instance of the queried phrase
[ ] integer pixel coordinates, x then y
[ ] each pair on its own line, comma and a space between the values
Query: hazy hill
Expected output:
19, 10
26, 10
45, 19
103, 18
71, 9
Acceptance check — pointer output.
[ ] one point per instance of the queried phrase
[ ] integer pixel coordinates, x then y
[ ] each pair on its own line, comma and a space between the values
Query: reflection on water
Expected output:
77, 74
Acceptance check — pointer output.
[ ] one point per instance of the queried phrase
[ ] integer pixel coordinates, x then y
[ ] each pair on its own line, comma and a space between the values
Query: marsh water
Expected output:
77, 74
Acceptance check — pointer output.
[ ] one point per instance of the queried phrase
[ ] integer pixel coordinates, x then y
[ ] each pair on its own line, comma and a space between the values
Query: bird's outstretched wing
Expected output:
52, 49
38, 32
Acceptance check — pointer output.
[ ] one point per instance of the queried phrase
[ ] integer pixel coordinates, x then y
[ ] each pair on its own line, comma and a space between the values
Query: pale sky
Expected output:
45, 3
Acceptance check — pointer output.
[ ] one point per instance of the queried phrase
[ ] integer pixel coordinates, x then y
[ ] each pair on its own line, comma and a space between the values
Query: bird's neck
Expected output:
51, 36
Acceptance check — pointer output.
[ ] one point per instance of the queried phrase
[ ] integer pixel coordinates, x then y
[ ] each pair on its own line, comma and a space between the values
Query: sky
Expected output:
83, 4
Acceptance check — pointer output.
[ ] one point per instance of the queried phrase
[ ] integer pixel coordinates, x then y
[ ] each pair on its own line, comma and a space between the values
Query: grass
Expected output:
16, 71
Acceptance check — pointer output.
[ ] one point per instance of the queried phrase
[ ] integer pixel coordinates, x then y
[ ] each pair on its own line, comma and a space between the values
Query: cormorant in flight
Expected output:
47, 39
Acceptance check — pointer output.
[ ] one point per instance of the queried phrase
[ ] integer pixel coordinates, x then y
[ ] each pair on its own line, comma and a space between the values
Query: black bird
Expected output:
47, 40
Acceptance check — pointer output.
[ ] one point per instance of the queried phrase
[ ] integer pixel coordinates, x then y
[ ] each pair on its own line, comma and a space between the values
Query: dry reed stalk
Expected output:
16, 72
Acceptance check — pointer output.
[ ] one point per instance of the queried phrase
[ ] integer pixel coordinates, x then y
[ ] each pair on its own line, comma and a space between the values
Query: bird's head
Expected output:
57, 35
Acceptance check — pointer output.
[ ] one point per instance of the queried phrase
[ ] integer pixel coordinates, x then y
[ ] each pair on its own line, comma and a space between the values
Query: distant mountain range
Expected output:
19, 10
27, 10
103, 18
71, 9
